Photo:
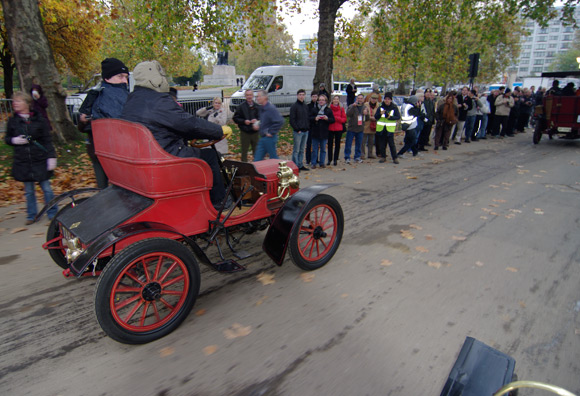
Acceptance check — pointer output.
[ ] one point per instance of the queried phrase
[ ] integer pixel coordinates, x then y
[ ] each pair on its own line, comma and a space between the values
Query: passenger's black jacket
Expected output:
168, 122
245, 112
299, 116
29, 164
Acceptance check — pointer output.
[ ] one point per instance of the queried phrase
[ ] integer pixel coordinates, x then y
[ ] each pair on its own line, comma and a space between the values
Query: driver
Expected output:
151, 105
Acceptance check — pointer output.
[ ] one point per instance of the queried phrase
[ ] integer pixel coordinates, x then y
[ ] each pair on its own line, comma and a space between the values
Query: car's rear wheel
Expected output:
317, 234
538, 132
54, 240
147, 290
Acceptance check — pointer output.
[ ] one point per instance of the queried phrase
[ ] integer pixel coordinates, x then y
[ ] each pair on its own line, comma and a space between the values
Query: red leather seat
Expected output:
132, 159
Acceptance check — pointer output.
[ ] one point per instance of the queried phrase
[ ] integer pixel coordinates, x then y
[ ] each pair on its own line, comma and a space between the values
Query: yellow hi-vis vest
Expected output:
383, 123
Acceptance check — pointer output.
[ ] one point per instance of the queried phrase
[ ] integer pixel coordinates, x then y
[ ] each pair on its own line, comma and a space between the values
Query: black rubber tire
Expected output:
537, 136
322, 214
122, 275
53, 231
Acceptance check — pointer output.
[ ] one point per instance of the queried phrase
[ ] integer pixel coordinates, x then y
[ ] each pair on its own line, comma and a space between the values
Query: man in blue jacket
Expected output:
270, 123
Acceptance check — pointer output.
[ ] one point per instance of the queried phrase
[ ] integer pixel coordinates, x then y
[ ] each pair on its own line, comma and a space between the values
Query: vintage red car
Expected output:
558, 115
145, 234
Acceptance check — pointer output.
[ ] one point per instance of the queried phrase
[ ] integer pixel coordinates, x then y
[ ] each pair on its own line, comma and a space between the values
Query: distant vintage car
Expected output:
145, 234
558, 115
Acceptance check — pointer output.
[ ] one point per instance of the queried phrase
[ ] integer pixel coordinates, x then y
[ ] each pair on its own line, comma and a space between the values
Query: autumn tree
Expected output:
568, 61
35, 60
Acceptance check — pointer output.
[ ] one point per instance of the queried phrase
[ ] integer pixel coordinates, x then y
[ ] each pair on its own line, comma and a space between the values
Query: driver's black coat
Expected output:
168, 122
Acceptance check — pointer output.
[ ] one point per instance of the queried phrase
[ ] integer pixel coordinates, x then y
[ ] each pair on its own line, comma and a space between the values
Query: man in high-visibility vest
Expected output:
387, 115
409, 114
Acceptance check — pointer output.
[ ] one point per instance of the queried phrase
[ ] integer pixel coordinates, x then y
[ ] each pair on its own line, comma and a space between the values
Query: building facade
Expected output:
543, 45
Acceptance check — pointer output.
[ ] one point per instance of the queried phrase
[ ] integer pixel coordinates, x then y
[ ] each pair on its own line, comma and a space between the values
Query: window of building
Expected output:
543, 30
530, 24
528, 38
541, 46
554, 29
553, 38
538, 61
568, 30
526, 55
565, 45
539, 54
537, 69
567, 37
550, 54
542, 39
523, 69
525, 62
552, 45
527, 46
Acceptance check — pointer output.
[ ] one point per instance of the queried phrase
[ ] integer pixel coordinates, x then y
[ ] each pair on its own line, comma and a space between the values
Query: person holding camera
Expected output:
216, 114
503, 105
34, 155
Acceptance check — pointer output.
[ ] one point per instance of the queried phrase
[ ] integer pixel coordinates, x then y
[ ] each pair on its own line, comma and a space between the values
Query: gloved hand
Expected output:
19, 140
51, 164
227, 131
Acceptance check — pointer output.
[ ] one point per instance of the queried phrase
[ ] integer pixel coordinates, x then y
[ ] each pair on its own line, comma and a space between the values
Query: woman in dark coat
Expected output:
34, 155
320, 119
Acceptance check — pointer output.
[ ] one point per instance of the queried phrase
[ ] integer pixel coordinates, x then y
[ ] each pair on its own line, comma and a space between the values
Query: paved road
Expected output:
481, 240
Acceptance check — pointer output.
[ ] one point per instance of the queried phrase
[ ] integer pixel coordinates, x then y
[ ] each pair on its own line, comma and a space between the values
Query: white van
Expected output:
281, 83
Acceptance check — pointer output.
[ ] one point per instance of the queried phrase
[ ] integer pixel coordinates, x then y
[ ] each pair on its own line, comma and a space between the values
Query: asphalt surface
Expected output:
481, 240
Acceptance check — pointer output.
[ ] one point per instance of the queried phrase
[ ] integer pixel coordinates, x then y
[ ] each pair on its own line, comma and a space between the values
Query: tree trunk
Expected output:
325, 57
35, 62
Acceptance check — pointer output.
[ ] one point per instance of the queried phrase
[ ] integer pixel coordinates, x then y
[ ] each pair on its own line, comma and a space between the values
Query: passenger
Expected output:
106, 102
569, 90
151, 104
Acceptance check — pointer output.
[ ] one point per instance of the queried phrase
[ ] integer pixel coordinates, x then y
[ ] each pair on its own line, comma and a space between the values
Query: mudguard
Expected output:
107, 240
276, 241
63, 196
479, 370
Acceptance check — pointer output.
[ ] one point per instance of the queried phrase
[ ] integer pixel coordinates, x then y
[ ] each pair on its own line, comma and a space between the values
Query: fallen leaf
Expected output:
506, 184
479, 263
307, 277
386, 263
499, 200
538, 211
167, 351
429, 237
411, 177
515, 210
494, 213
422, 249
266, 279
237, 330
210, 350
493, 186
537, 176
511, 269
510, 216
357, 182
416, 227
434, 264
458, 238
200, 312
261, 301
530, 182
467, 204
543, 171
15, 230
344, 295
483, 217
487, 210
522, 304
407, 234
493, 205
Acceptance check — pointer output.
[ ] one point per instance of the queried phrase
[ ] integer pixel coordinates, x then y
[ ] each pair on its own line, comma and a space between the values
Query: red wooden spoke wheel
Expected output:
147, 290
317, 234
